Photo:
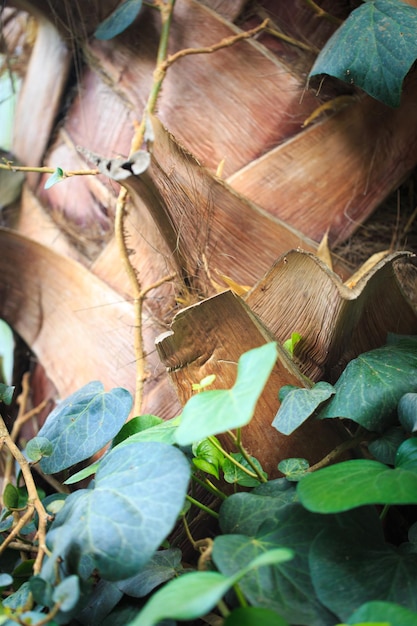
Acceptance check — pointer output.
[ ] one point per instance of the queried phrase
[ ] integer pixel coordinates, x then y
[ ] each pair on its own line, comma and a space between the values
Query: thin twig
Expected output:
34, 502
322, 13
340, 449
46, 170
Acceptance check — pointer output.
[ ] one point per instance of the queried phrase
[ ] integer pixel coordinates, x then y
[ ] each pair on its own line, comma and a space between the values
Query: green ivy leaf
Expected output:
119, 20
294, 468
388, 614
233, 474
39, 447
117, 525
406, 457
163, 566
6, 393
371, 386
82, 474
67, 593
374, 49
216, 411
57, 177
207, 457
11, 497
163, 432
82, 424
355, 483
287, 589
192, 595
352, 566
407, 412
299, 404
385, 447
136, 425
250, 615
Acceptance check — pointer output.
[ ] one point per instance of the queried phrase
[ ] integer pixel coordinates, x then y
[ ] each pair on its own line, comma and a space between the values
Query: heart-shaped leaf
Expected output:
374, 49
371, 386
216, 411
352, 566
299, 404
407, 412
117, 526
355, 483
250, 615
82, 424
192, 595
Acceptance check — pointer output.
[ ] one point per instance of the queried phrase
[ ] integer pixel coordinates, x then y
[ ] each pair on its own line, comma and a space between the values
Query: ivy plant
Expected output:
374, 49
325, 545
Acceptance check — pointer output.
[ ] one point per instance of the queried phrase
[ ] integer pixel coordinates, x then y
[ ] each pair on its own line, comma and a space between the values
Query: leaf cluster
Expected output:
310, 548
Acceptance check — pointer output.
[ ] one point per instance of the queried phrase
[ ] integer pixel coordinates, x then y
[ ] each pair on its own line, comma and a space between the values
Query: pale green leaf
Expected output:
216, 411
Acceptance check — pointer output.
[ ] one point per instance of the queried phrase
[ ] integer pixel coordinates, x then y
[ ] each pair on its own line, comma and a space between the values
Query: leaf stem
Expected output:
207, 484
232, 459
341, 448
237, 441
322, 13
202, 506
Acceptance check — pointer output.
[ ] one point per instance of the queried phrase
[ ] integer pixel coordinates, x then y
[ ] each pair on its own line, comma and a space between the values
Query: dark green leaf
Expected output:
407, 412
406, 457
117, 526
293, 468
39, 447
254, 616
354, 483
385, 447
41, 591
288, 589
6, 393
354, 566
11, 497
216, 411
163, 566
374, 49
57, 177
67, 593
285, 588
22, 573
234, 474
163, 432
371, 386
119, 20
299, 404
104, 597
386, 612
136, 425
82, 424
193, 595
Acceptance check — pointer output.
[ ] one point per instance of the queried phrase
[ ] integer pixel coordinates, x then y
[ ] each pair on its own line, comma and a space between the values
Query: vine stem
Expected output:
322, 13
202, 506
338, 450
163, 62
34, 503
238, 443
233, 460
46, 170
